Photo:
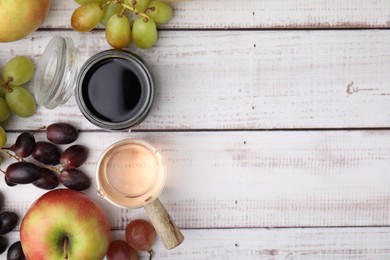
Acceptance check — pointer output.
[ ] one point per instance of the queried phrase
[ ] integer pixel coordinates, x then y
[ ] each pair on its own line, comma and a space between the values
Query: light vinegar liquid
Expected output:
131, 174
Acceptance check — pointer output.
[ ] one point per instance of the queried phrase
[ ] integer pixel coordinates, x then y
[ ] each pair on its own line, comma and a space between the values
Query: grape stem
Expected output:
105, 4
6, 84
37, 130
131, 8
121, 12
54, 168
150, 254
7, 148
12, 155
57, 169
152, 8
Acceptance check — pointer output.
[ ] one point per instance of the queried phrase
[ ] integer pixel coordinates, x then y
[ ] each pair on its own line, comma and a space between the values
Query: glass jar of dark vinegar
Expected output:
113, 89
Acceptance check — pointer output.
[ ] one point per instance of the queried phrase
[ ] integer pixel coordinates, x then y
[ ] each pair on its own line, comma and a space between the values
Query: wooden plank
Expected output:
311, 243
280, 244
265, 80
222, 14
254, 179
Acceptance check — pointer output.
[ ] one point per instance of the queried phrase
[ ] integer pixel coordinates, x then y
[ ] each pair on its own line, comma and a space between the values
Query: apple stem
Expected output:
150, 254
66, 241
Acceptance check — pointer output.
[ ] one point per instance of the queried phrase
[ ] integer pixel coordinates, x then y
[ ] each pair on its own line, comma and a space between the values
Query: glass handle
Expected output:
166, 228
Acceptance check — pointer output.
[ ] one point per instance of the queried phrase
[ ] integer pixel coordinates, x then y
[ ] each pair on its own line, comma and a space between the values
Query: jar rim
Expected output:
146, 79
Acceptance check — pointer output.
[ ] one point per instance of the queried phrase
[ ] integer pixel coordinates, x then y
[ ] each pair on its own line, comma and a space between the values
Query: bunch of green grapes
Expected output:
125, 21
13, 96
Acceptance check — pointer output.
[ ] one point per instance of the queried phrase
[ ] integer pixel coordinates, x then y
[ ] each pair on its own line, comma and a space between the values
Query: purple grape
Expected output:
61, 133
75, 179
74, 156
46, 153
10, 184
48, 180
22, 173
3, 244
24, 144
15, 252
8, 221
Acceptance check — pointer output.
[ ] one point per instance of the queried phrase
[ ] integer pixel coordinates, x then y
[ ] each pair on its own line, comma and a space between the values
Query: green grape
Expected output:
20, 68
109, 11
4, 110
118, 31
86, 17
3, 137
21, 102
160, 12
144, 33
83, 2
2, 90
140, 5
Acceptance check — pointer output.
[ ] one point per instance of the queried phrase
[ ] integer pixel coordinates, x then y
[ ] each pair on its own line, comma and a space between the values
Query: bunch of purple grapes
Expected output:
51, 166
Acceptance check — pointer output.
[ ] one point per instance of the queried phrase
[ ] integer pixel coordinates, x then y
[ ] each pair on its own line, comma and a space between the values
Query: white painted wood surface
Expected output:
314, 185
221, 14
265, 80
257, 179
290, 243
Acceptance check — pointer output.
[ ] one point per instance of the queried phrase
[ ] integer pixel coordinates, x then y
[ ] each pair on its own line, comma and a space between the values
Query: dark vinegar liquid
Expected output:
112, 91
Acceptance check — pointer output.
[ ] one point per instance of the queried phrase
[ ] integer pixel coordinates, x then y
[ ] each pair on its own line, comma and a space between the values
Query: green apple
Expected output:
18, 18
65, 224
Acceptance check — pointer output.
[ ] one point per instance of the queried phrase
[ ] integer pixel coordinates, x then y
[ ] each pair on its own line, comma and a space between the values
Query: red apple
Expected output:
65, 224
18, 18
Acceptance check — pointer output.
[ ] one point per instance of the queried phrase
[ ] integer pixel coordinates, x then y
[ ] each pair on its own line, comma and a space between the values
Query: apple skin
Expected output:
18, 18
65, 214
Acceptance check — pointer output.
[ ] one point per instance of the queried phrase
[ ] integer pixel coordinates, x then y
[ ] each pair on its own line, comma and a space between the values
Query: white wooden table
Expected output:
273, 117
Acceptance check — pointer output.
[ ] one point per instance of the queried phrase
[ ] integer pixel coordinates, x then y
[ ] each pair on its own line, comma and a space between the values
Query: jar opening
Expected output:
117, 97
115, 90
